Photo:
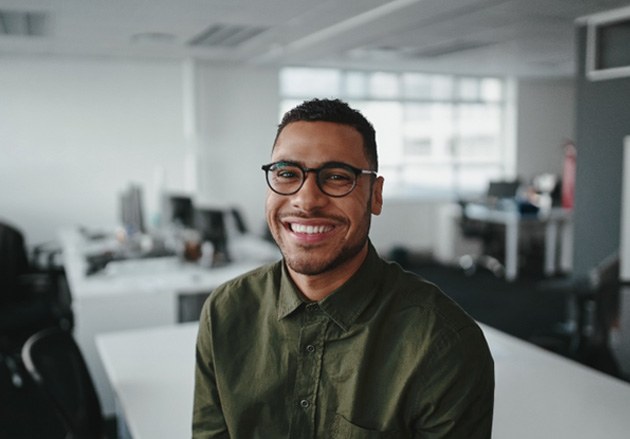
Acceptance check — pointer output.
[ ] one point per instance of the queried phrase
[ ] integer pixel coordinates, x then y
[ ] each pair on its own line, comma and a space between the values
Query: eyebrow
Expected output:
320, 165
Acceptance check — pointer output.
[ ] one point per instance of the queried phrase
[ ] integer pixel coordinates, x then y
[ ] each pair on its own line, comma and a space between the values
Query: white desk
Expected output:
557, 222
136, 294
538, 394
152, 373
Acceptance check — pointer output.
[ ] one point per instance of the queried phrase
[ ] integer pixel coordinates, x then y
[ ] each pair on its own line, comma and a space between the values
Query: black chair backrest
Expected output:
54, 361
13, 260
32, 296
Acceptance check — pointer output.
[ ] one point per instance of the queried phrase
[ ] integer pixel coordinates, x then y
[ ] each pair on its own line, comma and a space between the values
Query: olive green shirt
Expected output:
387, 355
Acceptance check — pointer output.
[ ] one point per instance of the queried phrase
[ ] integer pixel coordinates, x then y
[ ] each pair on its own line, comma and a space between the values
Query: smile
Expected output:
309, 229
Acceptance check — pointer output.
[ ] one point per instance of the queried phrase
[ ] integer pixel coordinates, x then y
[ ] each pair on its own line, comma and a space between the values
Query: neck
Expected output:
317, 287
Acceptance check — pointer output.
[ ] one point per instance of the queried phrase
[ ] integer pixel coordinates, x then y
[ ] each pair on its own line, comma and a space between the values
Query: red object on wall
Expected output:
568, 176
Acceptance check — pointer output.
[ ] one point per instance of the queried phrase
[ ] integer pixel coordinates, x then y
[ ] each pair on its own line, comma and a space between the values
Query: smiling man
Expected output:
333, 341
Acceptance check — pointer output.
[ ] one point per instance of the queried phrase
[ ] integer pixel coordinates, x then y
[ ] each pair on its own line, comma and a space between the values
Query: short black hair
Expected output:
336, 111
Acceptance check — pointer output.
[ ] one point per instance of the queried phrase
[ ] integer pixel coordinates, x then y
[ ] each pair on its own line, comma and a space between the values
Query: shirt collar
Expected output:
343, 305
289, 298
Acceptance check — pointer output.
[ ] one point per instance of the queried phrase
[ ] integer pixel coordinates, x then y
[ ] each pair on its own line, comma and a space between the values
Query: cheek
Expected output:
268, 206
272, 205
357, 211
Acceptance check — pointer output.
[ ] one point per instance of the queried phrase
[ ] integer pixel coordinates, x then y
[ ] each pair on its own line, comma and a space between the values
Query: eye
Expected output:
337, 176
286, 172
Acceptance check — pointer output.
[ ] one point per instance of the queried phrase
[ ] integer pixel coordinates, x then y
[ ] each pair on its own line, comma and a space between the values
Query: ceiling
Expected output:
507, 37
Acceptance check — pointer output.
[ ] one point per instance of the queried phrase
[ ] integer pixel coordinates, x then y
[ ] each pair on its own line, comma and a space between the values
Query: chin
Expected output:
306, 265
303, 262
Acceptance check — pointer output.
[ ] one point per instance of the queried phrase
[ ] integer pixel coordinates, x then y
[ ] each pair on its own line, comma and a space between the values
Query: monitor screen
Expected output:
503, 189
180, 210
210, 223
131, 210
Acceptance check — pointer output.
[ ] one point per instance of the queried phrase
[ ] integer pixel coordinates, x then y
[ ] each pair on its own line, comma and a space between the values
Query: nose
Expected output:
309, 197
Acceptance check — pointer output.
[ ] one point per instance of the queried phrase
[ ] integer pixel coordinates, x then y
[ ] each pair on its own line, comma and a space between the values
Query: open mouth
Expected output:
309, 229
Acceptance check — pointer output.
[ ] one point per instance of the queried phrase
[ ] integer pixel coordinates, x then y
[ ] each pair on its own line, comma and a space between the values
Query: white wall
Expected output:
406, 223
237, 115
545, 121
74, 133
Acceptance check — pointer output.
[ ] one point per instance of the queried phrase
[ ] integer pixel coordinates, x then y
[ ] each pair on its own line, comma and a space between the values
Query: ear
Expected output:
377, 196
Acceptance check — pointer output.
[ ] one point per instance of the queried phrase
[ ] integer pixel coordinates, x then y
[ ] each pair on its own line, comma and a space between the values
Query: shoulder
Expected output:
251, 286
427, 310
251, 294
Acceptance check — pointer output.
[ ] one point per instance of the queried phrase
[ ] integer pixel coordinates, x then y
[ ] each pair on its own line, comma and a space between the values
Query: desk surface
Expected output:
151, 371
538, 394
151, 275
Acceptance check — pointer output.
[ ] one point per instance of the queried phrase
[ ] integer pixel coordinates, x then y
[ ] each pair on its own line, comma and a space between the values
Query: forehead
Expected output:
319, 142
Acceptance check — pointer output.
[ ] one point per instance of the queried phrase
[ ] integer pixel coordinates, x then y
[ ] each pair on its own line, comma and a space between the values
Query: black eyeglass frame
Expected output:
357, 172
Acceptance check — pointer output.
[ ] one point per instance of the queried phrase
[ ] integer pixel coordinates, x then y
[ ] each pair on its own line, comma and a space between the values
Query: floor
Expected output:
533, 308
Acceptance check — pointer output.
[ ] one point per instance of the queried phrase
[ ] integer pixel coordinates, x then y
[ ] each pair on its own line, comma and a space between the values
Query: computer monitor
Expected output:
239, 221
131, 210
179, 210
210, 223
503, 189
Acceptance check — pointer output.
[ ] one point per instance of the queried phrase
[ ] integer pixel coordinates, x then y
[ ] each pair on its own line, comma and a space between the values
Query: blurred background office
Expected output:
186, 98
131, 119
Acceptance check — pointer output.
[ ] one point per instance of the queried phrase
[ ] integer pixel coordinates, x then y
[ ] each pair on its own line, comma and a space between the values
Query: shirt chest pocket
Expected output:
344, 429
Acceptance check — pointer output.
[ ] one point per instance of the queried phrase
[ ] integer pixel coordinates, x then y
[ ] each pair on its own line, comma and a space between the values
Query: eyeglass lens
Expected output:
287, 179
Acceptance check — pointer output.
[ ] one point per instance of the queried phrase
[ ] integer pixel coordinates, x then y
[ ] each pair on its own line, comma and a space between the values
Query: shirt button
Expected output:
310, 349
311, 307
304, 403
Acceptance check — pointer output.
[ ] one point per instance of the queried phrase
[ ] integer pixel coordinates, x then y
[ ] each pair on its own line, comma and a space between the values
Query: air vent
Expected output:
226, 35
22, 24
448, 49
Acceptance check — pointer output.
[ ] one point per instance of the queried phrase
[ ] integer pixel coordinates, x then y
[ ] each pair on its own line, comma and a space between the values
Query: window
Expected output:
437, 134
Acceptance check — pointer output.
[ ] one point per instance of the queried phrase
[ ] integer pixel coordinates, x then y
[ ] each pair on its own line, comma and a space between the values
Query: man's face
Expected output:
314, 231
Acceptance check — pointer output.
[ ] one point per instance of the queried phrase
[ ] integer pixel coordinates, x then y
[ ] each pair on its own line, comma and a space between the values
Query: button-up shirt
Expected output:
387, 355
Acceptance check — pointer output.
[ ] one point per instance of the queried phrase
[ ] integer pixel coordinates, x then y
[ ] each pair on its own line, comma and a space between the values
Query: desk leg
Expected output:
511, 249
566, 246
619, 336
551, 247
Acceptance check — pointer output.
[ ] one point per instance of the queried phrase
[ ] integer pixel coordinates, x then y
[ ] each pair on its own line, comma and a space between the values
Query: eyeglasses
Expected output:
334, 179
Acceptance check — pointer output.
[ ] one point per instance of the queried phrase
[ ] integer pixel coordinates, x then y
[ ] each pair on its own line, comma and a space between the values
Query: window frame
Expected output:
503, 161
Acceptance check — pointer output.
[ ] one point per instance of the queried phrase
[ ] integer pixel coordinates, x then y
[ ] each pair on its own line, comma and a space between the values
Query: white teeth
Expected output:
309, 230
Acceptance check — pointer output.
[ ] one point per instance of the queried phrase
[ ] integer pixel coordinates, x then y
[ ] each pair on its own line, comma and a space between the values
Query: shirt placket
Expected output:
309, 363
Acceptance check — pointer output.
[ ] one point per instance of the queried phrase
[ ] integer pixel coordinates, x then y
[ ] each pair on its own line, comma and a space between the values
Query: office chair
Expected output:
33, 295
33, 291
592, 305
55, 363
598, 310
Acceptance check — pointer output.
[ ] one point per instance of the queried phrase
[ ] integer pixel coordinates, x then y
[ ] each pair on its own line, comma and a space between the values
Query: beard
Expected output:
310, 261
306, 265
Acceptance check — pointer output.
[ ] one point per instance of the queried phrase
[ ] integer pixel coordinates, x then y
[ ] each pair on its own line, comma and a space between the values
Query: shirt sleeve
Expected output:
457, 393
208, 421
